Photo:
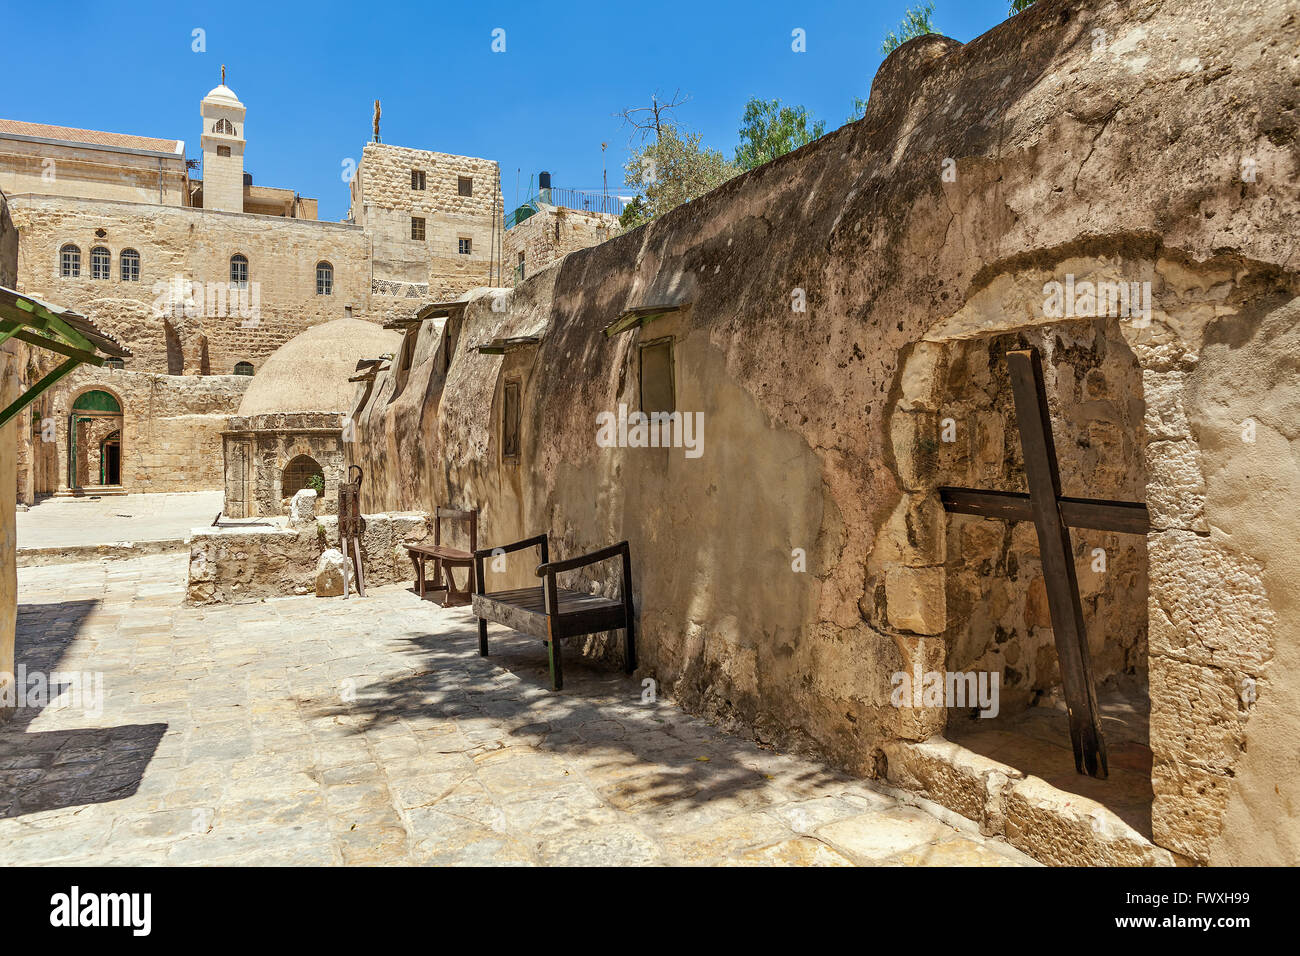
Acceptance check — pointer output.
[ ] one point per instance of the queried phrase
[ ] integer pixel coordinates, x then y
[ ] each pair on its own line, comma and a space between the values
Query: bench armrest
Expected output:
538, 540
582, 560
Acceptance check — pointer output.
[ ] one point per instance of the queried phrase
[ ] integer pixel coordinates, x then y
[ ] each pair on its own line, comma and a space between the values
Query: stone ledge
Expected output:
1051, 825
117, 551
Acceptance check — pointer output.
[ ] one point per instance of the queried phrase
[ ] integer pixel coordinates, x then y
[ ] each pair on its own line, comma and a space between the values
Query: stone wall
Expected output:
171, 427
804, 287
552, 233
239, 564
258, 448
196, 245
88, 173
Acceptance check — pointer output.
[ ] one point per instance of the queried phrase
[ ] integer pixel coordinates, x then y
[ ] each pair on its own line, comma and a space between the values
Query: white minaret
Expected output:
223, 149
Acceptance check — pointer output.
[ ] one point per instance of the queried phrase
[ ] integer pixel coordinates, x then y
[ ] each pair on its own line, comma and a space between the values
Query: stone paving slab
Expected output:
311, 731
86, 522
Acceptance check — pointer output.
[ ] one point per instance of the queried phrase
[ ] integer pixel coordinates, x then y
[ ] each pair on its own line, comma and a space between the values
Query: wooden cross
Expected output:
1054, 515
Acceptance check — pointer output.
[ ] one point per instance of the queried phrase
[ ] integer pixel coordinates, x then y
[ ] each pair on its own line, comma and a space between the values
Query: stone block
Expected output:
915, 599
331, 569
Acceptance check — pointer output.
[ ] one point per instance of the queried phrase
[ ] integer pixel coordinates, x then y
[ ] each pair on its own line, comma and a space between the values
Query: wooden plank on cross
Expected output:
1053, 515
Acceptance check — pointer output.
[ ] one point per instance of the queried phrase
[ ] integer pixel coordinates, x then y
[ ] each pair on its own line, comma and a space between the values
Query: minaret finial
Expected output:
223, 74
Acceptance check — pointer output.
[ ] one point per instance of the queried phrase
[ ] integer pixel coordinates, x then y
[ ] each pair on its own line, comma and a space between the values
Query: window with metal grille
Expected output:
465, 185
224, 126
510, 421
223, 150
243, 368
324, 278
130, 263
417, 227
465, 246
298, 475
239, 271
417, 179
101, 263
70, 261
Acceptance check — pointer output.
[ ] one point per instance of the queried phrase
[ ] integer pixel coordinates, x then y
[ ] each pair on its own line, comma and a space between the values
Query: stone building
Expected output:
835, 325
554, 223
433, 225
205, 278
289, 427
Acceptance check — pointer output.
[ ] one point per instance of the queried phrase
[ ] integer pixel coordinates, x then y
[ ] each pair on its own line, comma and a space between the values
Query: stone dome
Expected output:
310, 372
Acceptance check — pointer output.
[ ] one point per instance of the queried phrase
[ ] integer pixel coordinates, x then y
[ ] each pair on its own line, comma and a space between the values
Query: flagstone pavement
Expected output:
369, 731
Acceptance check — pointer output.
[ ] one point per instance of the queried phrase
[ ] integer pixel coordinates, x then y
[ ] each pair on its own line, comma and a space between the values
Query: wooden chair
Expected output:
554, 613
445, 558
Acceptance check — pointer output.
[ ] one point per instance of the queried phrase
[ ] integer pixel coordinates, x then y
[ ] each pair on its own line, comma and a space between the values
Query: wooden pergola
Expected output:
55, 329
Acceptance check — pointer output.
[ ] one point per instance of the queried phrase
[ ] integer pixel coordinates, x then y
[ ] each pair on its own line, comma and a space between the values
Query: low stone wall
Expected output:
244, 563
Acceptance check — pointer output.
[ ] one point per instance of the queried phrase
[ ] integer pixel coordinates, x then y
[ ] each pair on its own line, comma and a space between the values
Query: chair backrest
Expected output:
452, 514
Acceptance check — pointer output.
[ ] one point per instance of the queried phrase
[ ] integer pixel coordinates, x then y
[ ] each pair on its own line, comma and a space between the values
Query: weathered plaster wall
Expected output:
1119, 159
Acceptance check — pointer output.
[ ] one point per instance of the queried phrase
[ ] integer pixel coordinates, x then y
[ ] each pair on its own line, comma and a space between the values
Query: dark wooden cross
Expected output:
1054, 515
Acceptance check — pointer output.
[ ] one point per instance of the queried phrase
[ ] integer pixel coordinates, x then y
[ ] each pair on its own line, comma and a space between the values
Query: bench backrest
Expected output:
451, 514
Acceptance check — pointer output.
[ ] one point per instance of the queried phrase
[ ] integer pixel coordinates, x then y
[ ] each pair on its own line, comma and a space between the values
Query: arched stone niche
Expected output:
1184, 406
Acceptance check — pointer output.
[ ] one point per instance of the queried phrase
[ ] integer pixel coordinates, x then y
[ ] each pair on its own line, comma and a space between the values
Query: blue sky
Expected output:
309, 74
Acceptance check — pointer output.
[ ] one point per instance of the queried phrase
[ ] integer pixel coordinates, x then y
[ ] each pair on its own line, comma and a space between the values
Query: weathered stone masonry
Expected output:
1120, 162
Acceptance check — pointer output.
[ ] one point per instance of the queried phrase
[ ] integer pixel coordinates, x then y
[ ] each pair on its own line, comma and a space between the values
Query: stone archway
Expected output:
298, 474
95, 427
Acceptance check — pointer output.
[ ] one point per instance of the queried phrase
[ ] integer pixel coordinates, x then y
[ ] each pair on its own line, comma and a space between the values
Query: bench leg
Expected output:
419, 574
629, 646
557, 663
482, 638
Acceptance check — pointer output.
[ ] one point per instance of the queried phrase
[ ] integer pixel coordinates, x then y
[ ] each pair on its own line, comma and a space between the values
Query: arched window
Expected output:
324, 278
224, 126
70, 261
299, 474
101, 263
243, 368
130, 261
239, 271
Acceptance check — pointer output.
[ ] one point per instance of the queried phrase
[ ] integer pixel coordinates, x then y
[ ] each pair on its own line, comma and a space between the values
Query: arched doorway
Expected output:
110, 459
95, 441
302, 472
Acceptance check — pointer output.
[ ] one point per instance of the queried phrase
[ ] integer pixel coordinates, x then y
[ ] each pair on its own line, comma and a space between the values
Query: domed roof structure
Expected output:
223, 94
310, 372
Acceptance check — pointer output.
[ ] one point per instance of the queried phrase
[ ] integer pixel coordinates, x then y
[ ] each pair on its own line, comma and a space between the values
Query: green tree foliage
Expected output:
770, 130
916, 22
670, 170
1019, 6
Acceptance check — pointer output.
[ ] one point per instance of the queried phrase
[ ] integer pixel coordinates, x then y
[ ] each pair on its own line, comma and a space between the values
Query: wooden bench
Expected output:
445, 558
554, 613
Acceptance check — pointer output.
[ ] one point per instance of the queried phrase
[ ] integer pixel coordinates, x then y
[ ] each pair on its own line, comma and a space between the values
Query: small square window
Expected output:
465, 185
417, 227
466, 246
658, 392
417, 179
223, 150
510, 421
